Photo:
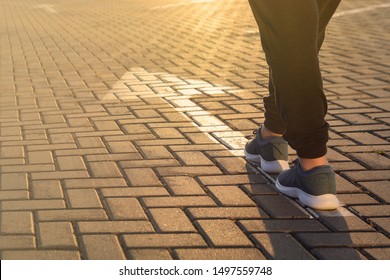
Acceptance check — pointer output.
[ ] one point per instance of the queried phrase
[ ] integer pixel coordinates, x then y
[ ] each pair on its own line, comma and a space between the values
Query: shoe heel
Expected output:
252, 158
276, 166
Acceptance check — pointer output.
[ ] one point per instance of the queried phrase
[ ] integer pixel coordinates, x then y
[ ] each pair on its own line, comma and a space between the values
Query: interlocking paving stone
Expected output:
125, 208
115, 227
379, 188
352, 239
231, 196
184, 185
56, 235
86, 138
281, 246
149, 254
279, 225
102, 247
40, 255
171, 220
164, 240
16, 222
278, 206
84, 198
142, 177
338, 254
220, 254
373, 210
17, 242
384, 223
227, 212
379, 253
72, 215
224, 233
178, 201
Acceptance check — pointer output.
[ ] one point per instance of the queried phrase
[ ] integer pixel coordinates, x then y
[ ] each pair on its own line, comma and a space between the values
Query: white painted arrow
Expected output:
140, 83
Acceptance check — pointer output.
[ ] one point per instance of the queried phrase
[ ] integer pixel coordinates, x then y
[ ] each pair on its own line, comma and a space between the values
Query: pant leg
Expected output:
290, 38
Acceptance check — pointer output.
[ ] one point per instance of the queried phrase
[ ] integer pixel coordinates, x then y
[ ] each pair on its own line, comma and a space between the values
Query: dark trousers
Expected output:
292, 32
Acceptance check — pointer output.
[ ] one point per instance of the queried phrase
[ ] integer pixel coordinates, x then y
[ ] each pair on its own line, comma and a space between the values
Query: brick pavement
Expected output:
122, 125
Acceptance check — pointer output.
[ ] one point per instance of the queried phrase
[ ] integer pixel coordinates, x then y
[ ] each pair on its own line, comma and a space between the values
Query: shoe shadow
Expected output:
290, 231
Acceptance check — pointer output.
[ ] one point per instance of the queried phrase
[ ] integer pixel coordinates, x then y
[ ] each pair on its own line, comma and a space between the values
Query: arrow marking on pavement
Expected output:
48, 8
361, 10
180, 99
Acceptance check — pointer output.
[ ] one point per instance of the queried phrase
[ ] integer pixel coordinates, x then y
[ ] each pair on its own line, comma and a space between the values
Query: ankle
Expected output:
265, 133
310, 163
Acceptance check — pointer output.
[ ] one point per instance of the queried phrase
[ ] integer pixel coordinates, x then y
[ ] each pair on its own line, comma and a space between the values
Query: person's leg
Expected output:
289, 33
292, 33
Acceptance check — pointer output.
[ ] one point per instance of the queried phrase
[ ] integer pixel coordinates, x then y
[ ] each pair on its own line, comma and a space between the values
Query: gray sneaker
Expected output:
315, 188
271, 154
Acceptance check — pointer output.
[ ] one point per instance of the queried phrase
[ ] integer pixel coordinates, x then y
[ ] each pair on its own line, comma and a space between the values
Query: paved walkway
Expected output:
122, 125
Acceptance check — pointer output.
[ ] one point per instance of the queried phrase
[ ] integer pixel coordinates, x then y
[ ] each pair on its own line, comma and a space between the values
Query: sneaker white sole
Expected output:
319, 202
276, 166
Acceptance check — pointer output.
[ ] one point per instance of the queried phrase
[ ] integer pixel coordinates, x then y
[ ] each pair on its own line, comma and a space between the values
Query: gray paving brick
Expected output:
338, 254
134, 192
227, 212
232, 179
231, 196
281, 246
125, 208
71, 163
115, 227
259, 189
164, 240
233, 165
279, 225
373, 210
194, 158
278, 206
220, 254
59, 175
224, 233
356, 199
104, 170
94, 183
149, 254
121, 147
90, 142
142, 177
56, 235
13, 181
9, 242
102, 247
40, 255
9, 195
156, 152
178, 201
171, 220
353, 239
184, 185
372, 160
71, 215
35, 204
16, 222
188, 170
83, 198
345, 223
40, 157
379, 253
379, 188
149, 163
